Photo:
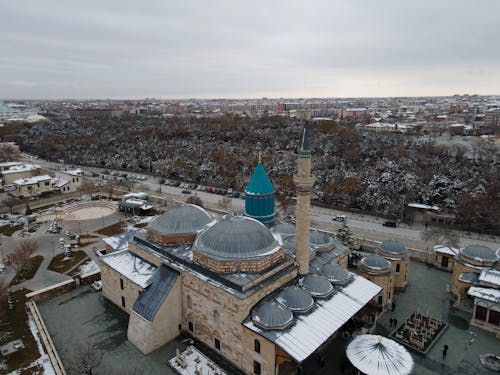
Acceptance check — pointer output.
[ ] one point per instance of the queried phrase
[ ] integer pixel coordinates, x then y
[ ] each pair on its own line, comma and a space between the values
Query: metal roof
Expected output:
259, 183
480, 253
377, 355
445, 249
130, 266
237, 237
149, 302
336, 274
305, 143
488, 294
284, 229
272, 315
393, 247
317, 285
319, 239
490, 276
376, 262
295, 299
312, 330
181, 219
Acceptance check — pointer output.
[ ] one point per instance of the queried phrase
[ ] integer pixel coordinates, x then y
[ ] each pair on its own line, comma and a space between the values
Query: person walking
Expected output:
390, 322
445, 351
395, 321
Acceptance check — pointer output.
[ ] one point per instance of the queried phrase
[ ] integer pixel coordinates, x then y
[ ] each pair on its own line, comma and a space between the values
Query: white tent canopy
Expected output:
377, 355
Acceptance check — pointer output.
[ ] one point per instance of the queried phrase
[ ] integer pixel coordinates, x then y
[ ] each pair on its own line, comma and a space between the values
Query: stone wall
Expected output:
266, 357
238, 265
171, 239
385, 282
111, 288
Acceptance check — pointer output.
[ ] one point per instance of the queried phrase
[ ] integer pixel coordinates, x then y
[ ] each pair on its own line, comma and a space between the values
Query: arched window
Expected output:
189, 302
216, 316
397, 267
256, 346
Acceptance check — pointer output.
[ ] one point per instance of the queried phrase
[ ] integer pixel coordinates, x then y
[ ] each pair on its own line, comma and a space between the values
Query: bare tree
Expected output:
10, 202
441, 236
86, 358
194, 199
87, 188
18, 259
110, 189
9, 153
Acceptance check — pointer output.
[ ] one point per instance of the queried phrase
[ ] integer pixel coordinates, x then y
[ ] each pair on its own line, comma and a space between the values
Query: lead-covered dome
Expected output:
376, 262
182, 219
295, 299
272, 315
392, 247
479, 253
317, 285
336, 274
320, 240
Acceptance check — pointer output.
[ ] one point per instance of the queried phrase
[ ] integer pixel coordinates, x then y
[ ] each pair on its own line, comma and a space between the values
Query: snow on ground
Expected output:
44, 360
194, 360
89, 267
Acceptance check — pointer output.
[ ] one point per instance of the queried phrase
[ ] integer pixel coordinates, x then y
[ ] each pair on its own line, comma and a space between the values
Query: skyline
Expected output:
126, 50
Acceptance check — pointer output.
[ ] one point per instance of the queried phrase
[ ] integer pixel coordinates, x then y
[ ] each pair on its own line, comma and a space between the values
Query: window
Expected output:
216, 316
480, 313
123, 302
217, 343
256, 346
380, 300
397, 267
179, 327
256, 368
121, 284
191, 326
494, 318
47, 183
189, 302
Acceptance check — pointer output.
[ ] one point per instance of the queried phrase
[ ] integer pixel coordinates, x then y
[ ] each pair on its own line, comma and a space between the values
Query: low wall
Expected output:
64, 287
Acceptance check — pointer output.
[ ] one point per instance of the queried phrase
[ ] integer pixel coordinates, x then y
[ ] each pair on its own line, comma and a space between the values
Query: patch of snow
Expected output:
89, 267
194, 359
44, 360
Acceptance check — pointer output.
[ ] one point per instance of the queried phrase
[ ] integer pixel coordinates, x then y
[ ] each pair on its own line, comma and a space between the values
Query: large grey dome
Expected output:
236, 237
182, 219
376, 262
336, 274
393, 247
317, 285
295, 299
272, 315
480, 253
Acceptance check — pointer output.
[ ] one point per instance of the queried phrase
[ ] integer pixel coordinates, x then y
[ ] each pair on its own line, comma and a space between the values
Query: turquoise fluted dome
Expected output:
259, 196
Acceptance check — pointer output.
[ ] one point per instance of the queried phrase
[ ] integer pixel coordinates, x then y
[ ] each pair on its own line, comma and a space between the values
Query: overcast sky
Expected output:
238, 49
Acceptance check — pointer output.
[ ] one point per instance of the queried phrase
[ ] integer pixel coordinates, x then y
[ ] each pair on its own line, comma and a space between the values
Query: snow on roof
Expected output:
310, 331
58, 182
490, 276
32, 180
22, 168
74, 172
423, 206
10, 163
132, 267
488, 294
445, 249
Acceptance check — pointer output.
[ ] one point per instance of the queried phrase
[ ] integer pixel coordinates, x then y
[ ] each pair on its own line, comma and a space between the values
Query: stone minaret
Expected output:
303, 181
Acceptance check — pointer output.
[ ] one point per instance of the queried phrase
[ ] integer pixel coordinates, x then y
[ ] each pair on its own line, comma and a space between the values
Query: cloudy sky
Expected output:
237, 49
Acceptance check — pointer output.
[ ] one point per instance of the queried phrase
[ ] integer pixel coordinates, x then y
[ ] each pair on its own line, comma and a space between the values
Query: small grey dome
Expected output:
317, 285
236, 237
336, 274
319, 239
469, 278
284, 229
182, 219
480, 253
376, 262
272, 315
393, 247
295, 299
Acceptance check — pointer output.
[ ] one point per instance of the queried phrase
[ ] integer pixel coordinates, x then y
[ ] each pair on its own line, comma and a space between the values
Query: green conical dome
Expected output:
259, 182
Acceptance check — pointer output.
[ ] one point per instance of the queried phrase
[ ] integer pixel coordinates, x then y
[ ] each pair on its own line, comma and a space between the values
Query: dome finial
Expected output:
260, 157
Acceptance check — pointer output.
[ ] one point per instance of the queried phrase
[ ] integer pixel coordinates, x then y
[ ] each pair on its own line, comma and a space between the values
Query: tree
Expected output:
345, 235
194, 199
110, 189
19, 258
87, 188
441, 236
8, 152
10, 202
86, 358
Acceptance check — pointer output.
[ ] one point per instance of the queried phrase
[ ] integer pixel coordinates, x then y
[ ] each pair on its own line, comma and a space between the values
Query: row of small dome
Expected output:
277, 314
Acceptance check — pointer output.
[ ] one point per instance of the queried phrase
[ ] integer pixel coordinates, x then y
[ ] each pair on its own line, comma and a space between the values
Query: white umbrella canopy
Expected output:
377, 355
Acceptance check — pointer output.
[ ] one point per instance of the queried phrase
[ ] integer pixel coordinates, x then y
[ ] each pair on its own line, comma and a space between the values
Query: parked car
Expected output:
9, 188
186, 191
340, 218
390, 223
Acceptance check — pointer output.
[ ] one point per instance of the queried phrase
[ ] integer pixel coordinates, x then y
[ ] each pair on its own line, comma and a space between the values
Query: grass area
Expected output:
58, 264
13, 325
8, 230
113, 229
29, 271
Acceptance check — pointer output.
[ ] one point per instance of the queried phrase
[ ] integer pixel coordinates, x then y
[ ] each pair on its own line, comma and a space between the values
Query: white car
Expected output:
339, 218
97, 285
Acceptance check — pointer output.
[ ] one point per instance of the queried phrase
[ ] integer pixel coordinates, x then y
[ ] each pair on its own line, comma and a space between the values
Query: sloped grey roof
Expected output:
376, 262
391, 246
182, 219
336, 274
272, 315
148, 303
295, 299
317, 285
480, 253
237, 237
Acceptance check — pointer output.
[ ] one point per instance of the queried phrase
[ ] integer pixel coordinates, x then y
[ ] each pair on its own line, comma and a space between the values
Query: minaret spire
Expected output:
260, 157
304, 181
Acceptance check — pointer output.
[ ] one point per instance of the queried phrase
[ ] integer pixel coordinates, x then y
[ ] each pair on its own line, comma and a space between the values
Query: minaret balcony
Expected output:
303, 182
